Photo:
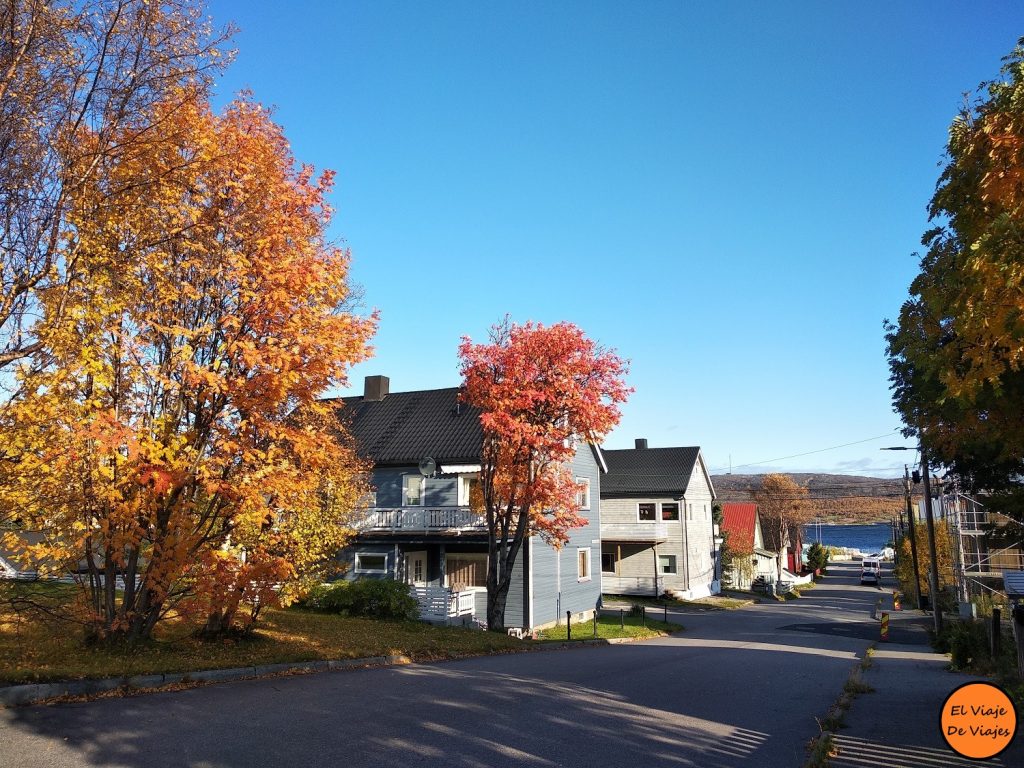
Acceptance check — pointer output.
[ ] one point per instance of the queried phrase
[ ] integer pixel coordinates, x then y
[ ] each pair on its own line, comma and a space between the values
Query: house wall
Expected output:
439, 491
700, 533
557, 587
636, 562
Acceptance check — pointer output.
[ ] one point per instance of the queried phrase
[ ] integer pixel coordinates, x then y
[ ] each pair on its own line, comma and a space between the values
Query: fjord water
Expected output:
866, 538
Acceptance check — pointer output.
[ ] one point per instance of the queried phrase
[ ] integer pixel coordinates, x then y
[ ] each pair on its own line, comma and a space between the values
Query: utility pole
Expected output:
913, 536
933, 575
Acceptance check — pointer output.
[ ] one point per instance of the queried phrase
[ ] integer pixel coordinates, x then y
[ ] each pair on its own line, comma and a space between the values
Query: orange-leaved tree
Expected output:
782, 503
175, 444
542, 390
73, 75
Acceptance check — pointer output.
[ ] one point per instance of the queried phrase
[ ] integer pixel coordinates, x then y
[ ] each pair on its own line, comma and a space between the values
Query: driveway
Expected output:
737, 688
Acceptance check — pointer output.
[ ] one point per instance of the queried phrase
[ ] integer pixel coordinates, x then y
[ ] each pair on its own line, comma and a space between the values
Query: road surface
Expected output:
736, 688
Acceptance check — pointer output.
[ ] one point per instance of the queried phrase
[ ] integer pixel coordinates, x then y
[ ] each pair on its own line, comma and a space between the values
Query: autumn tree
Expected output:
79, 83
174, 441
542, 391
956, 355
782, 503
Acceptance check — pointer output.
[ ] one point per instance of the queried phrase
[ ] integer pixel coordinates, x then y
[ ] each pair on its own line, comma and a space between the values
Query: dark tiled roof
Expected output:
648, 471
405, 427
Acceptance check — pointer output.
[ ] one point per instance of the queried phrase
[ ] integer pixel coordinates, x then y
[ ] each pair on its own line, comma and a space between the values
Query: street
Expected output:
739, 687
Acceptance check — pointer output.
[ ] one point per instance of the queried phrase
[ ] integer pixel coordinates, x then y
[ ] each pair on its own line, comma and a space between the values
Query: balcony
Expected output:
639, 531
453, 520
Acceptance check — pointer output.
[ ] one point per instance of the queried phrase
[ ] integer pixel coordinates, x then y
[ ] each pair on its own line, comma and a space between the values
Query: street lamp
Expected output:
933, 570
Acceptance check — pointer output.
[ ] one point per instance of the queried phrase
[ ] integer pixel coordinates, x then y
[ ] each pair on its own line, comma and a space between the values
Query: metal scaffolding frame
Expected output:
977, 567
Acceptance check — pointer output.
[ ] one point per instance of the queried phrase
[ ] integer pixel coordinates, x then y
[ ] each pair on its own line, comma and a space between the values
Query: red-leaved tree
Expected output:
542, 390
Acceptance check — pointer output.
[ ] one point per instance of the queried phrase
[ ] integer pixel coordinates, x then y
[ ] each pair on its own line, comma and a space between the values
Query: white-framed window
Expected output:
646, 510
371, 562
666, 564
467, 486
583, 563
670, 510
583, 493
465, 570
412, 490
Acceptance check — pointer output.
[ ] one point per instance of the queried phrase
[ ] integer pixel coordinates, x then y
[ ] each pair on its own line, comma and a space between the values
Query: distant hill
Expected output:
835, 498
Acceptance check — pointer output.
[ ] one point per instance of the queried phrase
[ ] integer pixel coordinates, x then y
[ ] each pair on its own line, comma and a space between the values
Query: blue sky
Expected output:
729, 194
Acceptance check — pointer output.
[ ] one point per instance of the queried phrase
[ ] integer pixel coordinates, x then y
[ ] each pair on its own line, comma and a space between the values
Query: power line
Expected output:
808, 453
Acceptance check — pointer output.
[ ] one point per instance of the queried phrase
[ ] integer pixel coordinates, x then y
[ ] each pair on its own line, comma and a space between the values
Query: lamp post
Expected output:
933, 570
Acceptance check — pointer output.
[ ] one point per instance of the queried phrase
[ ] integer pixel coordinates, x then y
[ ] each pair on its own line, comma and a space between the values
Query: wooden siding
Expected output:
556, 586
700, 551
439, 491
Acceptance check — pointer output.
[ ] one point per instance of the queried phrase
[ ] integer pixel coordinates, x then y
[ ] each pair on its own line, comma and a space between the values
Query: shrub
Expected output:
637, 609
373, 598
968, 642
817, 557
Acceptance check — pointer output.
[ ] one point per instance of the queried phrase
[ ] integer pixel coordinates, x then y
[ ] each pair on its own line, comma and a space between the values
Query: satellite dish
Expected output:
427, 466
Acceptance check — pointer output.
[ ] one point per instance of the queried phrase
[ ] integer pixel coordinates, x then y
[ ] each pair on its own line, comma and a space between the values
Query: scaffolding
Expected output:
985, 544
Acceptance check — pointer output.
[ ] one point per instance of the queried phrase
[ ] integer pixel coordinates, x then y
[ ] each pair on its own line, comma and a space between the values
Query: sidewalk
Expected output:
897, 724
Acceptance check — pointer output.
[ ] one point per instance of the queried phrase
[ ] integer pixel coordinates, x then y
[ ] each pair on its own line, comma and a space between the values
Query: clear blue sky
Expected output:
729, 194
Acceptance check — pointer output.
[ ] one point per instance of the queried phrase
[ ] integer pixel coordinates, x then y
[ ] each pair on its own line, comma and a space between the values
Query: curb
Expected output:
34, 693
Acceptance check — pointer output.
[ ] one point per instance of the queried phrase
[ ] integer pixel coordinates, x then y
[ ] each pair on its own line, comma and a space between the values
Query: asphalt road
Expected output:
737, 688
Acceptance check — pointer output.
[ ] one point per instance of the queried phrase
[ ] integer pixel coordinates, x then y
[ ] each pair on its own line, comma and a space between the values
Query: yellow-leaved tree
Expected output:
174, 447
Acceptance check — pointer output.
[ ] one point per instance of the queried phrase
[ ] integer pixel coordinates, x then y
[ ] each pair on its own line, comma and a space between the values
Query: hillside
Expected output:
835, 498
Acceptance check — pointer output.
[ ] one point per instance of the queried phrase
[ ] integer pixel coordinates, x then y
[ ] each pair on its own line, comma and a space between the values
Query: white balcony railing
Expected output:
639, 531
422, 519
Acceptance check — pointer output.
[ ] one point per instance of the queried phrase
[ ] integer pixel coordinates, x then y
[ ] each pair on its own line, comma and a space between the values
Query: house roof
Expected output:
405, 427
738, 521
648, 471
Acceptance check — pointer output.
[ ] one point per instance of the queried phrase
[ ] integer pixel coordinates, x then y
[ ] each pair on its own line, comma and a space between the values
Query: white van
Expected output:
871, 571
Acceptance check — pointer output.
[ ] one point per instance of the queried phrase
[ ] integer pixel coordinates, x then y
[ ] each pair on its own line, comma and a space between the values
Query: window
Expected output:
647, 511
412, 490
369, 562
583, 494
689, 511
463, 500
670, 510
666, 563
583, 564
608, 562
466, 570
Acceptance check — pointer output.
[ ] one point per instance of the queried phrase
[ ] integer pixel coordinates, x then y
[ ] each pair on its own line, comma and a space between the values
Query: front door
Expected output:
416, 569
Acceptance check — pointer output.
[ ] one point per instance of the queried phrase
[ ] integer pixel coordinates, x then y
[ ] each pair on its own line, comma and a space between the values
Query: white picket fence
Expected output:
440, 604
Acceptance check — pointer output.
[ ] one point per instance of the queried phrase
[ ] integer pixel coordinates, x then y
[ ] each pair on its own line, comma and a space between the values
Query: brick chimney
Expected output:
641, 443
375, 388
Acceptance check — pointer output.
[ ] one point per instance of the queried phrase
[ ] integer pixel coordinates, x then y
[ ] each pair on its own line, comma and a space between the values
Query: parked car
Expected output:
871, 571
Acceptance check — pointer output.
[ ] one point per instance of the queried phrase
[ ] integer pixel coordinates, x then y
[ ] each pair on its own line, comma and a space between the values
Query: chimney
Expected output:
641, 443
375, 388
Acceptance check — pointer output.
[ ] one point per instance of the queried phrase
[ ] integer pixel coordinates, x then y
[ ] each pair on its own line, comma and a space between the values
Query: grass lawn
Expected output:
712, 602
37, 650
608, 628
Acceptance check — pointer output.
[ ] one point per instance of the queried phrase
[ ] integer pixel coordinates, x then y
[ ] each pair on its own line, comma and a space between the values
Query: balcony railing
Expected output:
639, 531
423, 520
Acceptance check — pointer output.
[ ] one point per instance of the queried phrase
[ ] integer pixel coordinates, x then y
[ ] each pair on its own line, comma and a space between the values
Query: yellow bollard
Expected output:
896, 605
885, 625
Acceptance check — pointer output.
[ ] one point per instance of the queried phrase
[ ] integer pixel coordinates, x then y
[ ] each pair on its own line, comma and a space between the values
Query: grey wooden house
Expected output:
657, 533
425, 447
